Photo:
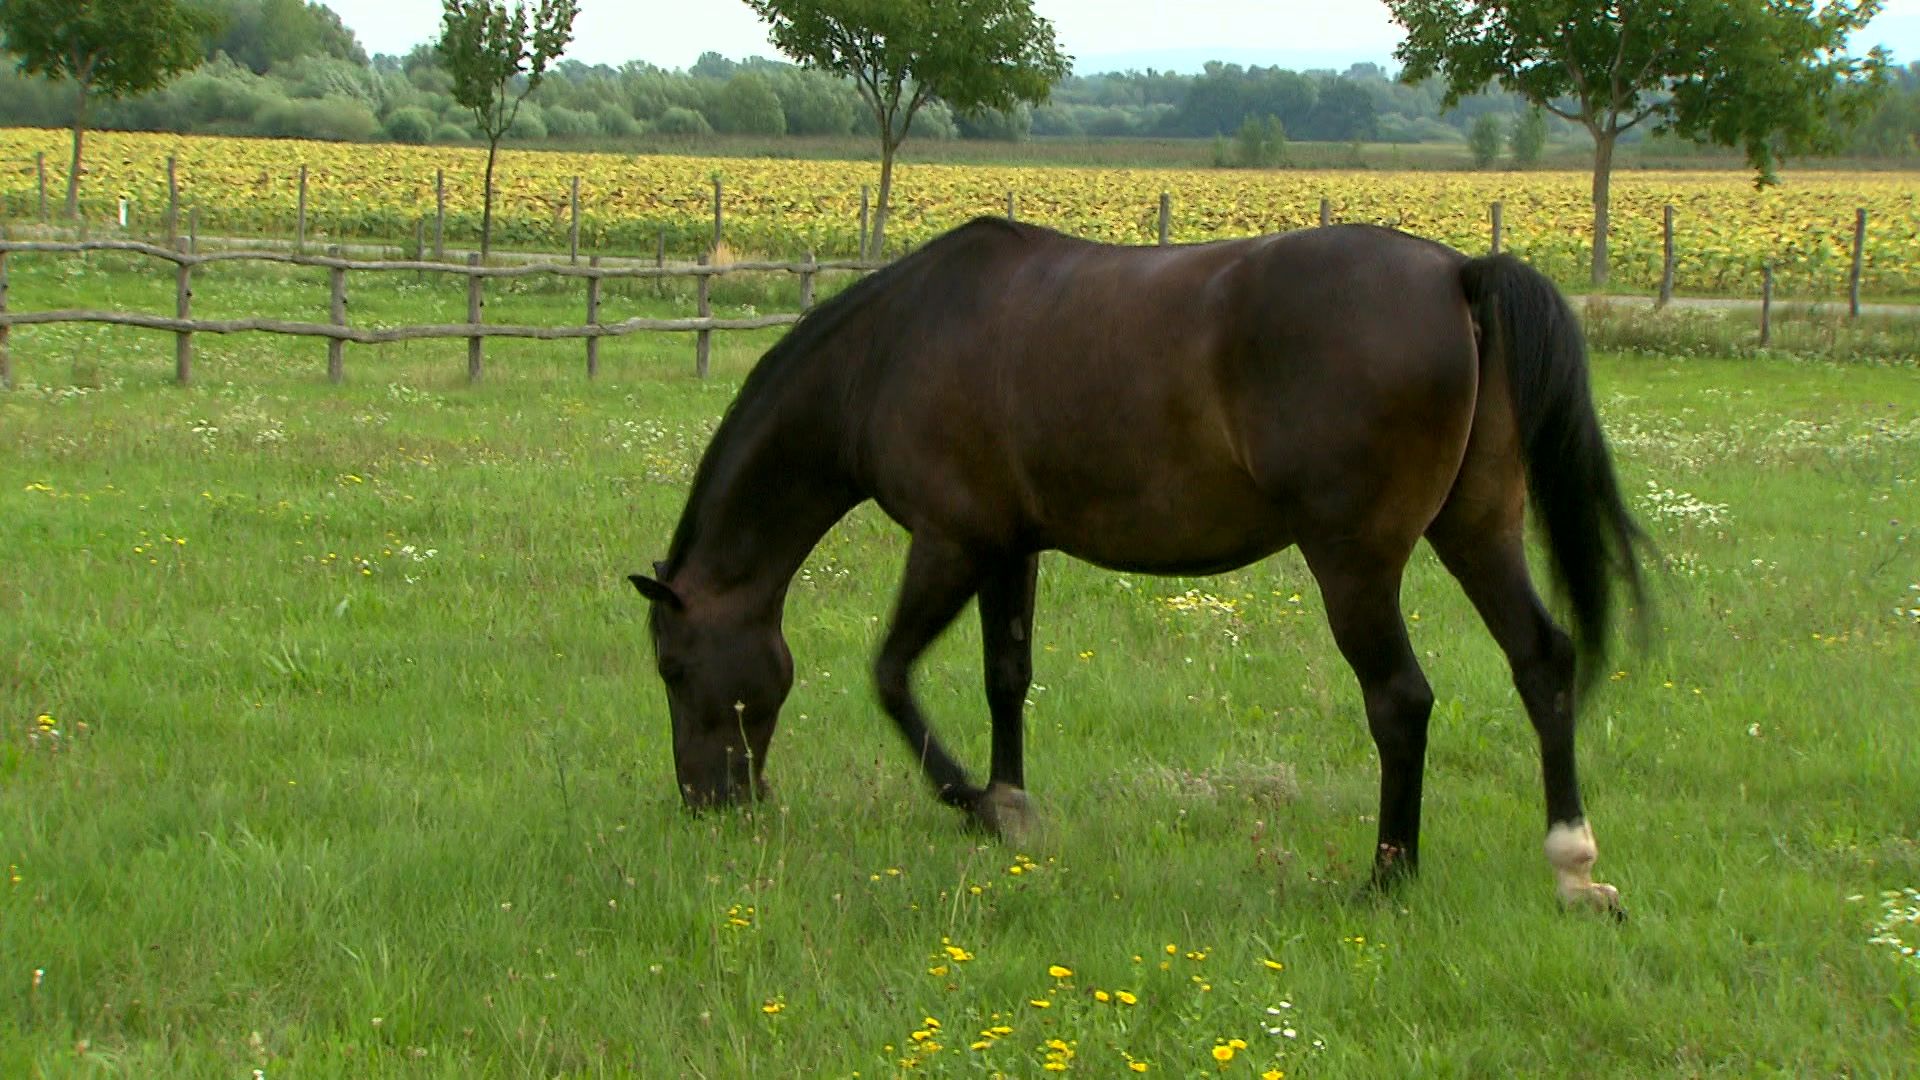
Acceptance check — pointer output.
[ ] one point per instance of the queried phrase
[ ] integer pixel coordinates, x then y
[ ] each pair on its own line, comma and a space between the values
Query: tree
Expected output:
1770, 76
109, 48
1528, 137
903, 54
485, 49
1483, 139
747, 105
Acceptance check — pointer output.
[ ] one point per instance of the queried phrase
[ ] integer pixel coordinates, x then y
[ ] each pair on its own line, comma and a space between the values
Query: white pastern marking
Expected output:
1571, 852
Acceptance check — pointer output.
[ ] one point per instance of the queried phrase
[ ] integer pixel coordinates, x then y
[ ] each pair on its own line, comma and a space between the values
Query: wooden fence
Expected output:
337, 332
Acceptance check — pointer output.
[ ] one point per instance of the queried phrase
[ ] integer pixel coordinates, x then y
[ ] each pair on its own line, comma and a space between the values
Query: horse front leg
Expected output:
1006, 635
940, 577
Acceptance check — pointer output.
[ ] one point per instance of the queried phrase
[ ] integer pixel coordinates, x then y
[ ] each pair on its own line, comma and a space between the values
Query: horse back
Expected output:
1183, 408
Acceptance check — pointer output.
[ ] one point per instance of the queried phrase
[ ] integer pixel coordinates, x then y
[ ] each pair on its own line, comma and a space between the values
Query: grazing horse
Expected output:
1007, 390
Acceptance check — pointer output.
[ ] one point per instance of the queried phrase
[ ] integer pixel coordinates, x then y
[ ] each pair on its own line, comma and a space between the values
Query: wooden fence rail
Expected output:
475, 330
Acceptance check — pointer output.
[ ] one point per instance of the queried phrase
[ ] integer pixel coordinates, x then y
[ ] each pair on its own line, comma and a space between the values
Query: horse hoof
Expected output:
1004, 811
1595, 897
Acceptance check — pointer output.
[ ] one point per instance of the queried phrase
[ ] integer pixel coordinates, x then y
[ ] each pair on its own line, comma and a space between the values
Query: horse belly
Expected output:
1169, 521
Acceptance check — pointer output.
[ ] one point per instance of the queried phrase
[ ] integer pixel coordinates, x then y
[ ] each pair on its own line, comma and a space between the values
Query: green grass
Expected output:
317, 802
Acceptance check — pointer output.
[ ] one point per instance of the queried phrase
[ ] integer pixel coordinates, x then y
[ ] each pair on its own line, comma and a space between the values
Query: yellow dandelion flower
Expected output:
1055, 1066
1274, 965
981, 1045
1125, 997
1102, 996
773, 1007
1137, 1066
1040, 1003
1223, 1053
958, 954
1059, 972
1172, 949
1237, 1044
1273, 1074
938, 970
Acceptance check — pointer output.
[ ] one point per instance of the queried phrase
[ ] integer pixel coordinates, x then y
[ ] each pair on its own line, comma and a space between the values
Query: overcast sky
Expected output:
1099, 33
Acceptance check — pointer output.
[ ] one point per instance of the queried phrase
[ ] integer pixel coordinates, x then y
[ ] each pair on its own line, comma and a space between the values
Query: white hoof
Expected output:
1572, 852
1006, 811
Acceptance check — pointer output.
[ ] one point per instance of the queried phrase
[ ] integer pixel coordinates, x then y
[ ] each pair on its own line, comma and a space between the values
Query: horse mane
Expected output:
762, 389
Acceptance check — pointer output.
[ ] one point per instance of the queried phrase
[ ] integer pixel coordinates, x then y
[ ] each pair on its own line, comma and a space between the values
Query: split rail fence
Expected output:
475, 330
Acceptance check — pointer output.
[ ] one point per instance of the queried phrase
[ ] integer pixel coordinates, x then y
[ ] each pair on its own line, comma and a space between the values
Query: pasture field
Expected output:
1725, 229
330, 746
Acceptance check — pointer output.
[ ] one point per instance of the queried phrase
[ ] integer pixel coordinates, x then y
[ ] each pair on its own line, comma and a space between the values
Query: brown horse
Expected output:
1007, 390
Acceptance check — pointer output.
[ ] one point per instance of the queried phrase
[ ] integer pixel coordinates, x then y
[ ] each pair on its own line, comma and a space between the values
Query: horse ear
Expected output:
658, 592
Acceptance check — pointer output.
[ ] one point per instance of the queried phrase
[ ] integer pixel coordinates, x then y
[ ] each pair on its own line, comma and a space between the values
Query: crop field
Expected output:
1725, 229
330, 746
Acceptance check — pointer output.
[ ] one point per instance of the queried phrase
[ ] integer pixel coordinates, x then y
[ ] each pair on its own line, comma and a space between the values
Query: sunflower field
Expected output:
1726, 230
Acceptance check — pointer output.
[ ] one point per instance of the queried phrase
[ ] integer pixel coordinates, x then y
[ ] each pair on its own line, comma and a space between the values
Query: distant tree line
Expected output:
290, 68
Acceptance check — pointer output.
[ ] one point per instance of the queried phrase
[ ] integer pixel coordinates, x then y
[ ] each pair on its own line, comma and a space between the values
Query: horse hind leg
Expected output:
1362, 594
1491, 567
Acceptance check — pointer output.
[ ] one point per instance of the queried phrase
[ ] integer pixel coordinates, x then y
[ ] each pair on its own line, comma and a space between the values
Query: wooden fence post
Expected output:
193, 230
660, 264
718, 231
300, 227
1166, 218
440, 215
183, 309
173, 204
573, 231
1766, 304
703, 339
337, 311
1010, 216
593, 316
419, 244
806, 285
474, 304
1859, 257
864, 211
1326, 213
40, 171
1666, 257
6, 361
1495, 249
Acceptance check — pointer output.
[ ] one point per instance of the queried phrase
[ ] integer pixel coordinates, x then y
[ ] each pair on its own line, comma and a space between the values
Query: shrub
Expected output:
615, 121
529, 123
449, 132
571, 123
1484, 139
409, 125
679, 120
334, 118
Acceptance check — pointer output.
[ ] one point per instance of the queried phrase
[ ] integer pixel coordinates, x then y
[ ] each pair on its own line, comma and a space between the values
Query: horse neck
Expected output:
777, 488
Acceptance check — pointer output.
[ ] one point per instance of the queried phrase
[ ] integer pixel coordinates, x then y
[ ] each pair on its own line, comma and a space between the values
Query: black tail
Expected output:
1591, 538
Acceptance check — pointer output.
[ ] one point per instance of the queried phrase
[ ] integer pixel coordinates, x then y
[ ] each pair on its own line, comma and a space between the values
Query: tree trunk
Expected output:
486, 208
1602, 174
879, 241
79, 136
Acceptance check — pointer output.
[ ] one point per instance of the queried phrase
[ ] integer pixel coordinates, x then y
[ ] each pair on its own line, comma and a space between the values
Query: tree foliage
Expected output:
497, 57
263, 33
1768, 76
901, 55
108, 48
